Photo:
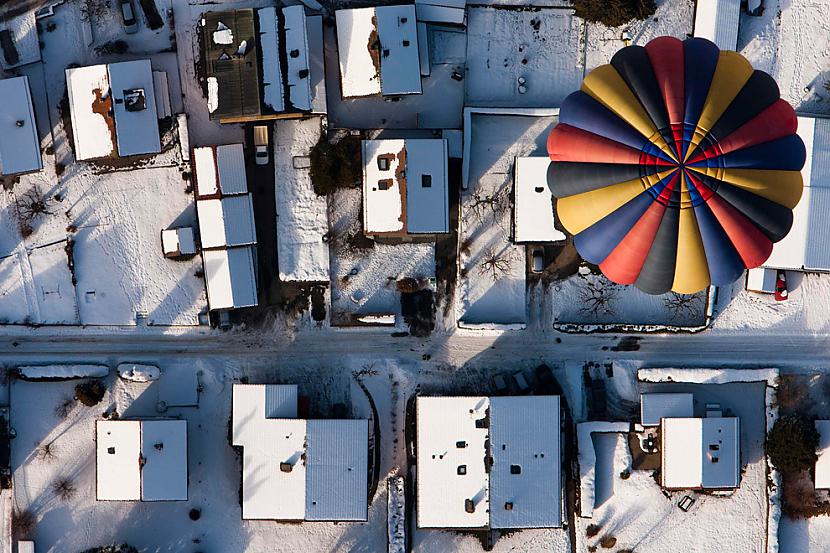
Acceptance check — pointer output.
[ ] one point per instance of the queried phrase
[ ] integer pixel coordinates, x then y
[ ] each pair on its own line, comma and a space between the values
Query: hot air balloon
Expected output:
676, 166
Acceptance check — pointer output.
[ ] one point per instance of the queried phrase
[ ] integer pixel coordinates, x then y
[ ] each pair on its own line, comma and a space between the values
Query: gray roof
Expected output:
280, 401
230, 162
524, 433
336, 473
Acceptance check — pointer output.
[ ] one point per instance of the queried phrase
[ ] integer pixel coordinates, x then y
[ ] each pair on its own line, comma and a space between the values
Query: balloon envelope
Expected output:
676, 166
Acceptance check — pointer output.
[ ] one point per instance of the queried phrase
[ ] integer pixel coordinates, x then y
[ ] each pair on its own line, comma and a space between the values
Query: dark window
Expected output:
405, 43
111, 450
539, 189
461, 444
384, 184
515, 469
715, 459
462, 470
714, 447
383, 163
469, 506
508, 506
426, 181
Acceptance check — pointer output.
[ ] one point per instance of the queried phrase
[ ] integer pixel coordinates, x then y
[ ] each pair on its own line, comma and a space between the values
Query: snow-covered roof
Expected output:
23, 44
226, 221
136, 129
655, 407
97, 91
316, 63
269, 42
525, 485
220, 171
717, 20
807, 245
337, 456
823, 462
522, 488
230, 277
19, 143
294, 469
93, 128
178, 241
533, 218
700, 453
141, 460
761, 279
441, 11
449, 437
296, 46
392, 66
405, 186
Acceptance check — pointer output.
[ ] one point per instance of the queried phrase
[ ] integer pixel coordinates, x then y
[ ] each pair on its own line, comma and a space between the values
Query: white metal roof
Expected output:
19, 145
137, 132
807, 245
717, 20
400, 67
427, 200
230, 277
118, 472
447, 438
533, 202
164, 448
654, 407
207, 180
441, 11
823, 452
93, 131
761, 279
120, 446
387, 190
328, 459
337, 460
700, 453
398, 70
230, 164
525, 479
228, 221
296, 46
269, 41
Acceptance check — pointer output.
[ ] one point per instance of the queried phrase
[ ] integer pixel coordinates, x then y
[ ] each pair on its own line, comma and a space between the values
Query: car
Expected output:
537, 263
520, 381
781, 292
128, 13
261, 145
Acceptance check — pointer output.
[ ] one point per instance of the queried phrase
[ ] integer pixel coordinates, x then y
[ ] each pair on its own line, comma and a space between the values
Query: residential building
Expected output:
19, 142
533, 217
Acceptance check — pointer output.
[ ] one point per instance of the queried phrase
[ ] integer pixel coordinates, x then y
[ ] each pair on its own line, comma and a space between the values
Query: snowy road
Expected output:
707, 349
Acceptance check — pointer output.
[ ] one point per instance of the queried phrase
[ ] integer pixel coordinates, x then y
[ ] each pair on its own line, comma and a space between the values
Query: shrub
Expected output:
791, 444
23, 523
90, 393
337, 165
607, 542
64, 488
123, 548
592, 530
613, 13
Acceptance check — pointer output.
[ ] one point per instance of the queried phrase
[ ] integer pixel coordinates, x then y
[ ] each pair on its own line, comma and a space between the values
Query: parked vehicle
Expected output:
128, 13
537, 260
781, 292
261, 145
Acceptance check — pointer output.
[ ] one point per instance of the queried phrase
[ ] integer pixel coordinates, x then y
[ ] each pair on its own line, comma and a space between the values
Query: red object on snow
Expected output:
781, 292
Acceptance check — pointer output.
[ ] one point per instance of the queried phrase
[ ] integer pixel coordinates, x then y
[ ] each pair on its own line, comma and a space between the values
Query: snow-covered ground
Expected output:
492, 268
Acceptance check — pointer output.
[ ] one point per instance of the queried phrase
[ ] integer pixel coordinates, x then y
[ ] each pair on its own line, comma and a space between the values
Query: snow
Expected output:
384, 188
761, 280
19, 145
299, 87
533, 218
178, 241
269, 42
302, 215
540, 46
427, 197
24, 35
137, 132
207, 176
654, 407
230, 277
117, 466
400, 69
822, 469
39, 372
396, 509
92, 132
164, 450
228, 221
717, 20
138, 373
438, 11
230, 166
588, 460
359, 76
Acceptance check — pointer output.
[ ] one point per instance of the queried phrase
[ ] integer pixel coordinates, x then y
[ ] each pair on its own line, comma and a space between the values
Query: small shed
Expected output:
178, 242
761, 279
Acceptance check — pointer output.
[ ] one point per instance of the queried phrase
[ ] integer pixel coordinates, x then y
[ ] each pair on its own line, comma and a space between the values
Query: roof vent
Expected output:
469, 506
134, 99
286, 467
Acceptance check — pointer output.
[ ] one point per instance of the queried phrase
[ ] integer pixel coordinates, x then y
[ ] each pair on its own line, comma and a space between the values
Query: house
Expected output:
243, 52
533, 218
807, 246
656, 407
700, 453
141, 460
113, 110
226, 226
717, 20
390, 65
296, 469
822, 469
488, 462
19, 142
405, 187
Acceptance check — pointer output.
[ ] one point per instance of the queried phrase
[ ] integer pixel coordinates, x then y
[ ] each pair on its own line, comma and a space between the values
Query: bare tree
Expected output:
47, 452
64, 488
483, 206
597, 297
682, 306
63, 408
494, 263
23, 523
31, 206
94, 9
